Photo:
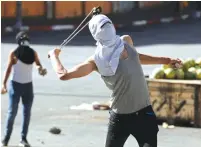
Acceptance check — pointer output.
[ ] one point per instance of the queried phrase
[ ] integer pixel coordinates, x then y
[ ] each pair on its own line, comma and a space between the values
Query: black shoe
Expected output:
4, 142
24, 143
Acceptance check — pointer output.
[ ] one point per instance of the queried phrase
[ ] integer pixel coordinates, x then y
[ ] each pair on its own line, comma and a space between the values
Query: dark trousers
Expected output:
17, 90
142, 125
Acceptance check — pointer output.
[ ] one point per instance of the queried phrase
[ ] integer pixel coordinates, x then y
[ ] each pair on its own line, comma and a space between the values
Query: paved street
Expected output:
80, 128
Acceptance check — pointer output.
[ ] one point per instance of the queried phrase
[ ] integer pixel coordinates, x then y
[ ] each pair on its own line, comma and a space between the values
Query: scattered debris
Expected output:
41, 141
101, 107
171, 127
55, 130
92, 106
167, 126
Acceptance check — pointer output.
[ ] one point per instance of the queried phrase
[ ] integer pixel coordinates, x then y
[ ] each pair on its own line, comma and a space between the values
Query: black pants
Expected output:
142, 125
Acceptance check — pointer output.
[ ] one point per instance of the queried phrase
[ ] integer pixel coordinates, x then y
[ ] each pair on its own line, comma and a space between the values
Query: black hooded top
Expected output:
25, 54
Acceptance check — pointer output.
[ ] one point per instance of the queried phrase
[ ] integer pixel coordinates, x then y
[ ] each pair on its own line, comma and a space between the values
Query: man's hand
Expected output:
42, 71
54, 53
3, 89
175, 63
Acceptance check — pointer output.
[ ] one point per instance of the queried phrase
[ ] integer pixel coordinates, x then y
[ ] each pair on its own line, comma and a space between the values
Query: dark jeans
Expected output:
17, 90
142, 125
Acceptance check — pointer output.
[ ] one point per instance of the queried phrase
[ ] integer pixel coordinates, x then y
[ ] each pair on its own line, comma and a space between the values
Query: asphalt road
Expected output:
81, 128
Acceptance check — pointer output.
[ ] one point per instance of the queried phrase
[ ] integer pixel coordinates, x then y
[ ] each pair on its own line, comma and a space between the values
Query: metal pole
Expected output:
49, 6
18, 24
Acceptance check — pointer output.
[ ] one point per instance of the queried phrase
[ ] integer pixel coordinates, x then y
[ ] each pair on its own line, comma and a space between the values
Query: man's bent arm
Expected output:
37, 61
146, 59
78, 71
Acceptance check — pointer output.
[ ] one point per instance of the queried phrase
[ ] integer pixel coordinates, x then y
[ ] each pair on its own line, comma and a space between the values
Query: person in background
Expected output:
20, 62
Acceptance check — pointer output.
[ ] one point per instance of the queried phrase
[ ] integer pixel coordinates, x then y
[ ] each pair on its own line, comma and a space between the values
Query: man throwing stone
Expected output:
119, 65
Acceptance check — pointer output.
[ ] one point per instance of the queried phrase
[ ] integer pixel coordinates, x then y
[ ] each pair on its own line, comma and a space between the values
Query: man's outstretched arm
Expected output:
78, 71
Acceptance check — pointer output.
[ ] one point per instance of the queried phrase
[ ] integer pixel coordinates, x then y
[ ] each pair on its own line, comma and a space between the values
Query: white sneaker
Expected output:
24, 143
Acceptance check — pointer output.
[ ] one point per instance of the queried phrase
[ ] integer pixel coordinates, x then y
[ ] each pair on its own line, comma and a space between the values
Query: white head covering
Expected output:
109, 45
